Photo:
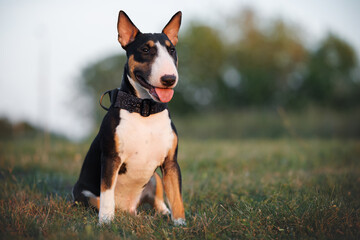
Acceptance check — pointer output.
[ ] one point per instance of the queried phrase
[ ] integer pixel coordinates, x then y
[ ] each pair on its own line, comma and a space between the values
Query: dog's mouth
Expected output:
159, 94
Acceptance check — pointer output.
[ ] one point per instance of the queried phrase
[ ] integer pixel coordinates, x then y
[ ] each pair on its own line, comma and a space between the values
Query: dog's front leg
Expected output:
172, 184
110, 166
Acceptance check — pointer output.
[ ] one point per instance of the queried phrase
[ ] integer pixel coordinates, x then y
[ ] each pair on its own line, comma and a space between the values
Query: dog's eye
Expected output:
145, 49
171, 50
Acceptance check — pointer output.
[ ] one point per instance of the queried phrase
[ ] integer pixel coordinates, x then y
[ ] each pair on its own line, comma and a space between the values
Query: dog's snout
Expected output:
168, 80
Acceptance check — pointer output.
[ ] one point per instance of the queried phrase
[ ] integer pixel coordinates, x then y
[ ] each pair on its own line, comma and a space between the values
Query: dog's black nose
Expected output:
168, 80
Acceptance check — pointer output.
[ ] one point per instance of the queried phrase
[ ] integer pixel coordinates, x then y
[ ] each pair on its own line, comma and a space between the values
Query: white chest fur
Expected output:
143, 143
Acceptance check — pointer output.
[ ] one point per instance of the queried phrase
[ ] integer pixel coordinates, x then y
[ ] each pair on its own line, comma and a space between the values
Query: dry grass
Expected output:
253, 189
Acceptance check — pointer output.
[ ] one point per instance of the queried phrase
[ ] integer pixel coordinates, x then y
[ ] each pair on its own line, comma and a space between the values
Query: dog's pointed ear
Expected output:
127, 31
172, 28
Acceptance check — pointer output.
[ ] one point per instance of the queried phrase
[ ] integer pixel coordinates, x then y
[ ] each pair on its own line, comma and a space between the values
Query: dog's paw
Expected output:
165, 211
161, 207
179, 222
105, 219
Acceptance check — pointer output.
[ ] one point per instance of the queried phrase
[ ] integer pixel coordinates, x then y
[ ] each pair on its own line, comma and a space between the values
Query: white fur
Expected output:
161, 206
88, 194
144, 142
140, 91
179, 222
107, 206
163, 65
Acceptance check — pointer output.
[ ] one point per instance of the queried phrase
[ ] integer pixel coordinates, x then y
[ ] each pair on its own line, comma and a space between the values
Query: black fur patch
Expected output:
122, 169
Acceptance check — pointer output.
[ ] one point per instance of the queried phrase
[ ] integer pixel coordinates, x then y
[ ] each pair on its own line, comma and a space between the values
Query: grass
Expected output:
232, 189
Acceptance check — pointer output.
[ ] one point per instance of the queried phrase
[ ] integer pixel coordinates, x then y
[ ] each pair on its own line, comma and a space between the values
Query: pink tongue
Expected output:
164, 94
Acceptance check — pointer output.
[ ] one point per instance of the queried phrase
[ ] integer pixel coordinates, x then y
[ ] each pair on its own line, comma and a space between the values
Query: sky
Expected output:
45, 44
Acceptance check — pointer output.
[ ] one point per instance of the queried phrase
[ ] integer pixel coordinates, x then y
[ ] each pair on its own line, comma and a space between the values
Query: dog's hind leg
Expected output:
159, 203
85, 197
87, 189
93, 200
153, 194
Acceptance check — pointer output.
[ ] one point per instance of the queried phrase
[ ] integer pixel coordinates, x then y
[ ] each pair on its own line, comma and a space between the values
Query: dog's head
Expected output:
152, 59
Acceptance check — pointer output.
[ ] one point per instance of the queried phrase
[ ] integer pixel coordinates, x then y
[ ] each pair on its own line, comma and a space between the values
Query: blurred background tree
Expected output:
331, 80
250, 63
269, 58
99, 77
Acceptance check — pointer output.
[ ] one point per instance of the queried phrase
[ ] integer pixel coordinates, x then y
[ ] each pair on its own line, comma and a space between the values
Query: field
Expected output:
261, 188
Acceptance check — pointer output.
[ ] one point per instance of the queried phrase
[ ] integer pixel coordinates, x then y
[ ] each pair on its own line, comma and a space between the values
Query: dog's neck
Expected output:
130, 86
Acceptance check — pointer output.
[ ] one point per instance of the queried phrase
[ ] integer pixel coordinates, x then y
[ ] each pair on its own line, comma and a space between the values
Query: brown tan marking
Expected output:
95, 202
114, 172
172, 150
159, 193
133, 64
171, 183
111, 170
167, 43
150, 43
172, 190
